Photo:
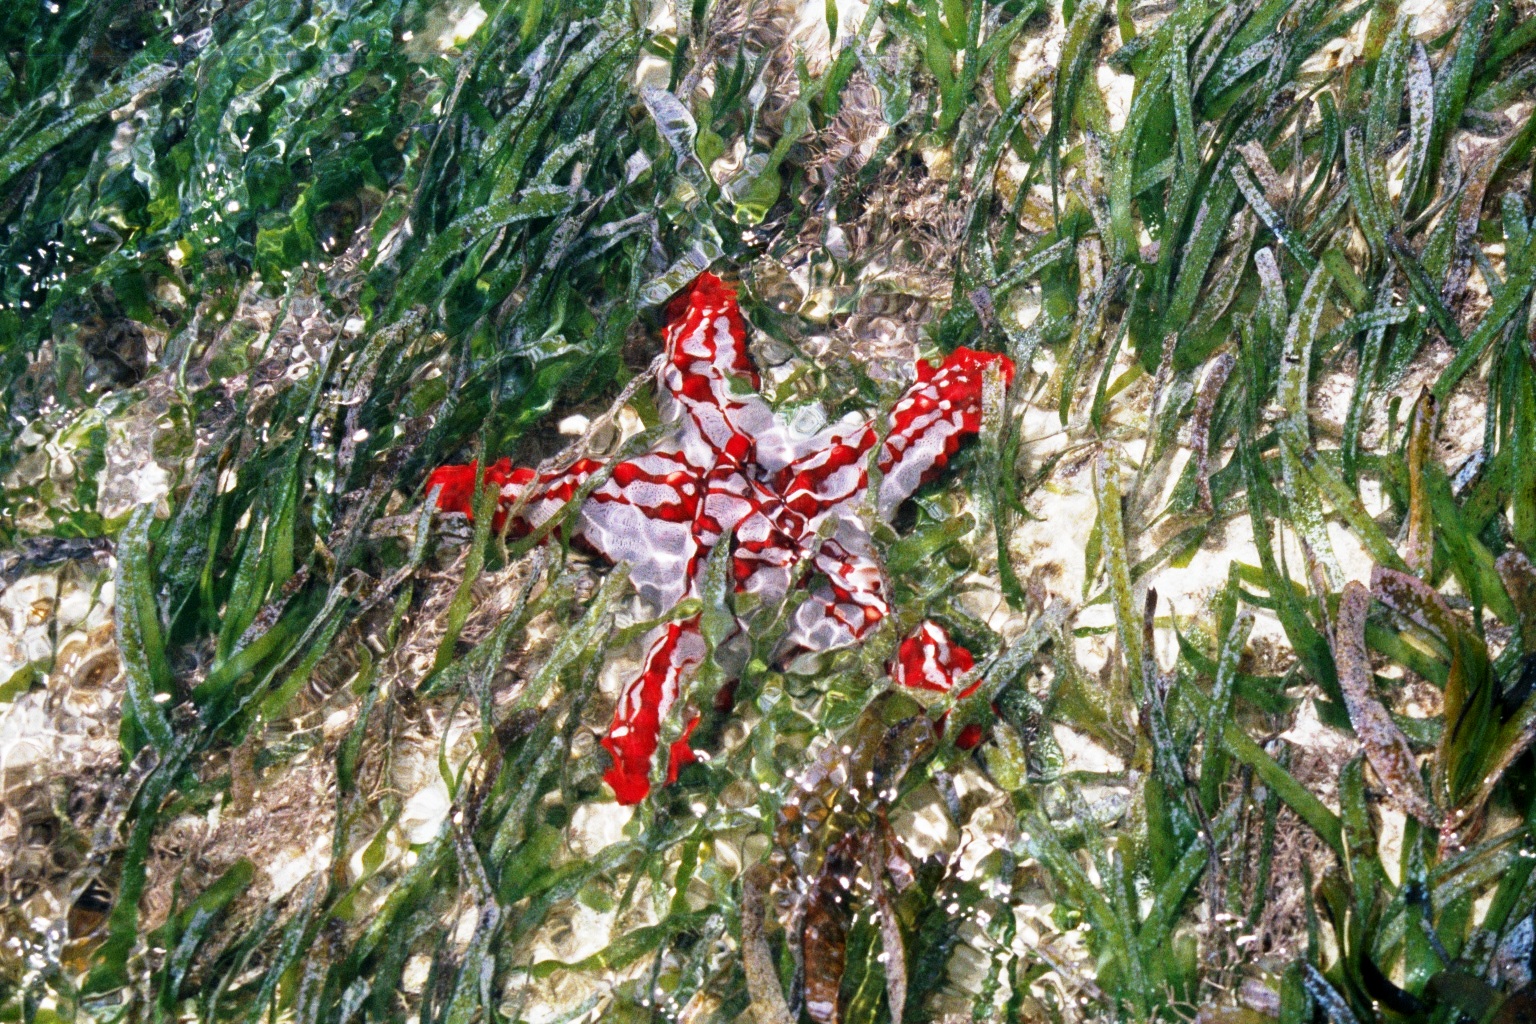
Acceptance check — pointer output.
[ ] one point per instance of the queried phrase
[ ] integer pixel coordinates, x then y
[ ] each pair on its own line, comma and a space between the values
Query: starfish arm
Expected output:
676, 651
930, 660
930, 420
704, 325
552, 490
644, 515
830, 475
709, 386
851, 602
458, 484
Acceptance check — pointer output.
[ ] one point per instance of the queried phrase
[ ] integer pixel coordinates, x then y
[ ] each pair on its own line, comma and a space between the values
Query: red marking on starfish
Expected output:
458, 494
731, 467
633, 737
458, 484
930, 660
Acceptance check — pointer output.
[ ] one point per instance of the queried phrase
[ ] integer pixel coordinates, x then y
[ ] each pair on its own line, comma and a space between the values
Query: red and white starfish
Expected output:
731, 467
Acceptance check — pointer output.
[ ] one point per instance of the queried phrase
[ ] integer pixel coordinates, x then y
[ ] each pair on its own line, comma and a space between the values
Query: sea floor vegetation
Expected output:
1196, 672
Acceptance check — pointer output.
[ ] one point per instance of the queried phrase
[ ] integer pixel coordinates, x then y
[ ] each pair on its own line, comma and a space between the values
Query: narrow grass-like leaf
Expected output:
1295, 429
1385, 746
1127, 622
139, 637
1219, 713
1421, 437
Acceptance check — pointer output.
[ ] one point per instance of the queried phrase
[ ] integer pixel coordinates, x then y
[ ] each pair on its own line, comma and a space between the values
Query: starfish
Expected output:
731, 468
